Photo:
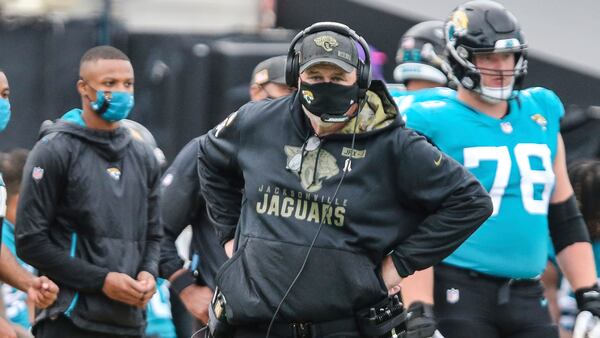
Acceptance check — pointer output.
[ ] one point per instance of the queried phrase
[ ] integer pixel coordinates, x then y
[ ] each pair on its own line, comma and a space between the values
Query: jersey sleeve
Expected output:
180, 202
220, 175
551, 104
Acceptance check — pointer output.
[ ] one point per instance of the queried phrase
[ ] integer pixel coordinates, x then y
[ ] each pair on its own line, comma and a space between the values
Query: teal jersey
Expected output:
513, 159
158, 312
2, 198
14, 299
404, 99
596, 249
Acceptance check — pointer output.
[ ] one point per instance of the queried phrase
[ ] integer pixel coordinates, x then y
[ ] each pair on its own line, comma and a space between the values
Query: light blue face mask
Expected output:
4, 113
113, 106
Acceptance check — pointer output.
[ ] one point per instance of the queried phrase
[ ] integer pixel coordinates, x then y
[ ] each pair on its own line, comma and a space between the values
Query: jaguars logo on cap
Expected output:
328, 43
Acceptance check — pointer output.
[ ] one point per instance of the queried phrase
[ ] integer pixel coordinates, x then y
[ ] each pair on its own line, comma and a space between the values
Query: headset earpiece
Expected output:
292, 70
363, 79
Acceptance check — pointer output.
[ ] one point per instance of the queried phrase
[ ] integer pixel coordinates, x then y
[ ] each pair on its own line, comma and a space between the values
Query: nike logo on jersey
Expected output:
438, 161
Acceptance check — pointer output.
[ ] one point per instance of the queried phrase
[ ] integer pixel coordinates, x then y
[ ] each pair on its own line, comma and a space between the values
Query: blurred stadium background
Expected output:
193, 58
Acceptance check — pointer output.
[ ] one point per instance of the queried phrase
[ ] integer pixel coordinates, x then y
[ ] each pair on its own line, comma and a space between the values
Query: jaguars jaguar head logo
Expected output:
328, 43
326, 167
308, 96
540, 120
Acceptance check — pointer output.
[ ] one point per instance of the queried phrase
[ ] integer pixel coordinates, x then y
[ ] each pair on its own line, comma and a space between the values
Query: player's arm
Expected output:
41, 291
12, 273
179, 200
40, 191
571, 240
568, 230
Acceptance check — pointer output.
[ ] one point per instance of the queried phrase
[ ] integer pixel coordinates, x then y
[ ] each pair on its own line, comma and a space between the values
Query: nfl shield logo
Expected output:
37, 173
506, 127
452, 295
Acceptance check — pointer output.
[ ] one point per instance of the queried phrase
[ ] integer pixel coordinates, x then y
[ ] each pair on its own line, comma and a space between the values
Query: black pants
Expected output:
285, 331
62, 327
181, 317
468, 304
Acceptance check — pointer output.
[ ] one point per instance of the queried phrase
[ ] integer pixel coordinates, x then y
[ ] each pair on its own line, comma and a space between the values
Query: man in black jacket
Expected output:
183, 205
88, 216
330, 199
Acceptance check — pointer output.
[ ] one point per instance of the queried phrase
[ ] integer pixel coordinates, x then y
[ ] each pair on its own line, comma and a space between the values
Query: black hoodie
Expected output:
89, 206
401, 194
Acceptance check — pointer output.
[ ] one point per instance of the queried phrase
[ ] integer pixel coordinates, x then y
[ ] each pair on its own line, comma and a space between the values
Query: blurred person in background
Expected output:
422, 73
182, 204
585, 177
18, 308
422, 70
268, 79
41, 291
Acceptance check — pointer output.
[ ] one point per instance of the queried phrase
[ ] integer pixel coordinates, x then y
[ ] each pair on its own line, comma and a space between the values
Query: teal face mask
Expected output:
4, 113
113, 106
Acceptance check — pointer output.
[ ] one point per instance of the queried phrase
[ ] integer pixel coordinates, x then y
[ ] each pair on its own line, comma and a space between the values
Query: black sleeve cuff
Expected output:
566, 224
183, 281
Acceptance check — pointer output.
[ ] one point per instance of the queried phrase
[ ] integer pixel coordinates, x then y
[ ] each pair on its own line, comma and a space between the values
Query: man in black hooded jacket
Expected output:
330, 199
88, 216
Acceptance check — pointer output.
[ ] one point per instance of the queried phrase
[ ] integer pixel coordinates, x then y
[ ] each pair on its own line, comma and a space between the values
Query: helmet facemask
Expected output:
471, 78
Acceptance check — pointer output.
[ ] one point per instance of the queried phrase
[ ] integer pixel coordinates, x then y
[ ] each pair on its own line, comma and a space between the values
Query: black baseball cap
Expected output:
270, 70
328, 47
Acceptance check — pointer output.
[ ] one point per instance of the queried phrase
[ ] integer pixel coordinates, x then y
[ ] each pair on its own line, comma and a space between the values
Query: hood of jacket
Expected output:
111, 145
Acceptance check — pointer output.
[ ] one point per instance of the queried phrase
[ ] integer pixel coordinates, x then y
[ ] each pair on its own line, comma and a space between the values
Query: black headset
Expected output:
363, 69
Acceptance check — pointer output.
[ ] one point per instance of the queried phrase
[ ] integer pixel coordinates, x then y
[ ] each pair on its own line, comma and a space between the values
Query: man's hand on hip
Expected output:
197, 299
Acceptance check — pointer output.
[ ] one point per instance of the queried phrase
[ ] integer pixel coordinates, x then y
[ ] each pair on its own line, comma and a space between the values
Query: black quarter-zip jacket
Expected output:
401, 195
181, 204
89, 206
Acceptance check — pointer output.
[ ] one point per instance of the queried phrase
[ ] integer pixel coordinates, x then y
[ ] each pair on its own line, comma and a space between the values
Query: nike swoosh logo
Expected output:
438, 161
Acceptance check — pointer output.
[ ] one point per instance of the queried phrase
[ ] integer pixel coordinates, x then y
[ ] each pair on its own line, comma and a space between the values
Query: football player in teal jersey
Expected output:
15, 300
509, 138
40, 290
421, 73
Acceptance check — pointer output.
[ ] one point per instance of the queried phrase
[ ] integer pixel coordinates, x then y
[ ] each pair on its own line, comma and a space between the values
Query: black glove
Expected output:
420, 321
588, 299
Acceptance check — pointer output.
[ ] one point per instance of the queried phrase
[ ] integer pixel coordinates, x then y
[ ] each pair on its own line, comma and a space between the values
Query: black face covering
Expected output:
327, 100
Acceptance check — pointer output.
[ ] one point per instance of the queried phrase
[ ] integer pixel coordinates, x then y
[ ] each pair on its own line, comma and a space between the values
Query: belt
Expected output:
311, 330
504, 283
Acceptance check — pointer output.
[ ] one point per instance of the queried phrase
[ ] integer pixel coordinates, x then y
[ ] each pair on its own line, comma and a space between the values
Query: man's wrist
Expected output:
182, 281
585, 296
